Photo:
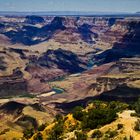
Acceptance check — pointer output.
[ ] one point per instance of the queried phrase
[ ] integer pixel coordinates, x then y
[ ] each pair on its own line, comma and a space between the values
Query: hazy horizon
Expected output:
127, 6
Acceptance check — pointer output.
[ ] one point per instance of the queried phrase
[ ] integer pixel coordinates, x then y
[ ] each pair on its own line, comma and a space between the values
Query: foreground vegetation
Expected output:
99, 120
81, 121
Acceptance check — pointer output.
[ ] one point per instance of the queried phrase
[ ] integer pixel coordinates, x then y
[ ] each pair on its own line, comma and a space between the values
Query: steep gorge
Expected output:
49, 48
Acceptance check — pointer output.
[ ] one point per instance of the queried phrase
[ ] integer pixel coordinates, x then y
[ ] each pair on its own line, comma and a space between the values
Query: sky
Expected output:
71, 5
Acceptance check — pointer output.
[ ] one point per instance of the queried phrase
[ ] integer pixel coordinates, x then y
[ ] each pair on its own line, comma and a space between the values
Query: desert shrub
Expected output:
78, 113
137, 125
28, 122
72, 127
15, 139
38, 136
118, 106
102, 113
131, 138
125, 138
133, 114
111, 134
28, 133
42, 127
57, 131
119, 126
97, 134
4, 131
99, 104
136, 106
80, 136
98, 117
58, 117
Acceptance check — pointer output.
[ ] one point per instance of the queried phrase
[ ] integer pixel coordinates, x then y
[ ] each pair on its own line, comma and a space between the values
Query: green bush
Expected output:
58, 117
80, 136
136, 106
15, 139
98, 117
133, 114
125, 138
137, 125
97, 134
57, 131
42, 127
38, 136
28, 133
98, 104
4, 131
118, 106
111, 134
102, 113
78, 113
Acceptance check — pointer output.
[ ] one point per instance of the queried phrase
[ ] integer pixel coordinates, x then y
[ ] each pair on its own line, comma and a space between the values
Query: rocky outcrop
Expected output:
86, 34
12, 107
12, 85
122, 93
67, 36
34, 20
63, 60
51, 65
115, 84
30, 35
43, 73
56, 24
4, 40
125, 40
2, 64
25, 35
126, 65
22, 116
103, 31
1, 26
35, 29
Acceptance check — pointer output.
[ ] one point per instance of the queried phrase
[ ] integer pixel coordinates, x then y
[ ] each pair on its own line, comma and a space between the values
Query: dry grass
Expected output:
41, 117
128, 126
134, 84
11, 135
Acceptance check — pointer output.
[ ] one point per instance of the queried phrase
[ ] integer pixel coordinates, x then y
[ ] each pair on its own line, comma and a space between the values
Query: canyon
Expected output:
59, 62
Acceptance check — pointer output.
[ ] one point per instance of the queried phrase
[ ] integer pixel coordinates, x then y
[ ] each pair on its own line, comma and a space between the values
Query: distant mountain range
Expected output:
66, 13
